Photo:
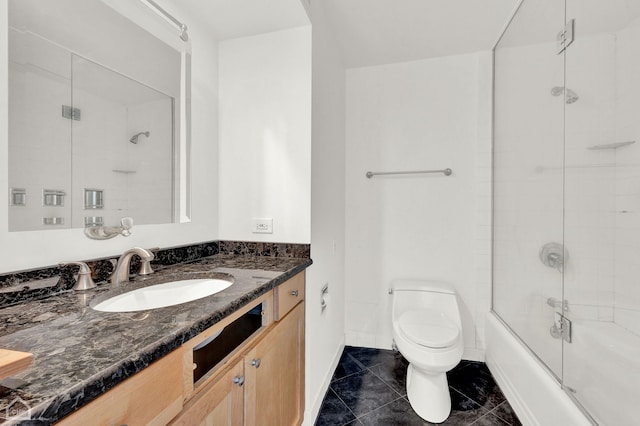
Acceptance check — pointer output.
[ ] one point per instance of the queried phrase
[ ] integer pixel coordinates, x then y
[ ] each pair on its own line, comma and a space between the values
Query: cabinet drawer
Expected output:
288, 295
151, 397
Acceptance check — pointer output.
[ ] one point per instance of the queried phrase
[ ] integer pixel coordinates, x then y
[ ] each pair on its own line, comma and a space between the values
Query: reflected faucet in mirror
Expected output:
99, 232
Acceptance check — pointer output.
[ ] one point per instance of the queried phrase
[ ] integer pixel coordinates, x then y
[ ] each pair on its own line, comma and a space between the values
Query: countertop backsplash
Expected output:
34, 284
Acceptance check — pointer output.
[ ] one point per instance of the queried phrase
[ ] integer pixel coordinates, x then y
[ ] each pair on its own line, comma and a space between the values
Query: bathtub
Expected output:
534, 394
603, 364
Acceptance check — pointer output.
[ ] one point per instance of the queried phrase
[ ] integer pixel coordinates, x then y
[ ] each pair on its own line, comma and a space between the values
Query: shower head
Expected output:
570, 95
134, 138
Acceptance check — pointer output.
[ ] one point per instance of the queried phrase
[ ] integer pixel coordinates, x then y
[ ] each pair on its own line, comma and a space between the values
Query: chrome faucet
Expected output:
121, 272
84, 280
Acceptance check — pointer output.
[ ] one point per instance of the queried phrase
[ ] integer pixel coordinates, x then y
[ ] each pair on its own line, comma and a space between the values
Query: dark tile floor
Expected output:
369, 388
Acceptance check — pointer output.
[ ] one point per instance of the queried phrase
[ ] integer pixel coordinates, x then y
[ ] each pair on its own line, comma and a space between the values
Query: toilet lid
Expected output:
428, 328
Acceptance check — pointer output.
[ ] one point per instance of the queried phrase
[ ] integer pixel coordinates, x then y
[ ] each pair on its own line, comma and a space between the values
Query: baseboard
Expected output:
473, 354
310, 414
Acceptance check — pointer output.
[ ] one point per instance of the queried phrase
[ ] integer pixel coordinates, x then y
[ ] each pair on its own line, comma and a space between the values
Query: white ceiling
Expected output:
242, 18
374, 32
369, 32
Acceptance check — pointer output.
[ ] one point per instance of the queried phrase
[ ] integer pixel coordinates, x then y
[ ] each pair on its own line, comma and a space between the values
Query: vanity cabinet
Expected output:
274, 373
264, 386
264, 383
247, 369
219, 403
151, 397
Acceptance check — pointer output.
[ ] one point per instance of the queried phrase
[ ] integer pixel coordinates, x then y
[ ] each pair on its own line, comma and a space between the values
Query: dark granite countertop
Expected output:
80, 353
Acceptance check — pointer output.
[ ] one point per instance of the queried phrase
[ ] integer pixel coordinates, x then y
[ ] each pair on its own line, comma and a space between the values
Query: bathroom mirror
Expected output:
99, 120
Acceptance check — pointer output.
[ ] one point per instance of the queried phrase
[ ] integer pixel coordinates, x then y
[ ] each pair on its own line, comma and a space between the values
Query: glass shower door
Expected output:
602, 209
528, 178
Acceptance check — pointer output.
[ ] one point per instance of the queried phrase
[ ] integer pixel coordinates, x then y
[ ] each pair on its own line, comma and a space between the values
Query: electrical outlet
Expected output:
262, 225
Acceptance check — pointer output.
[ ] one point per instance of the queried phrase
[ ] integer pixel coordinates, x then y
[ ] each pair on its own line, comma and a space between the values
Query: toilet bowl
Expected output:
427, 331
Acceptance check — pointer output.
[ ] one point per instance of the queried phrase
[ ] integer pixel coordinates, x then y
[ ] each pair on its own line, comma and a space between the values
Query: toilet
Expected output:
427, 331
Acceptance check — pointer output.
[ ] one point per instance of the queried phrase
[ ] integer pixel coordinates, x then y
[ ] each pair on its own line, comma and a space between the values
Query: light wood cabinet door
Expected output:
274, 371
220, 403
151, 397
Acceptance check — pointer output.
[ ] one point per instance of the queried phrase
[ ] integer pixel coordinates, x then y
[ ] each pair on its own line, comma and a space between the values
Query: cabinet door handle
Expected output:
255, 362
294, 293
238, 380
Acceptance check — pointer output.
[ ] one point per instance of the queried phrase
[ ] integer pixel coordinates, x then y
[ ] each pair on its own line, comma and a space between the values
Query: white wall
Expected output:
325, 328
265, 135
36, 98
22, 250
428, 114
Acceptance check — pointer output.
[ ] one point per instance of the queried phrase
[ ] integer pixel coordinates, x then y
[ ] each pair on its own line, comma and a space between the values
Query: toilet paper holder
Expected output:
324, 295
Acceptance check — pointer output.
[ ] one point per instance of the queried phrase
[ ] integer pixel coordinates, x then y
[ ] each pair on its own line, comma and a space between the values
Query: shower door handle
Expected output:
561, 328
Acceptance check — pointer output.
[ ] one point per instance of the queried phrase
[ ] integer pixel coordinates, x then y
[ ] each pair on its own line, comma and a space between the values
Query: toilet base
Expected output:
428, 394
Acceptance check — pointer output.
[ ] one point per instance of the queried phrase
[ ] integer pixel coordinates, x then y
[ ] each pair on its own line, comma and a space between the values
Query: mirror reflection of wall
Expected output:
136, 177
93, 104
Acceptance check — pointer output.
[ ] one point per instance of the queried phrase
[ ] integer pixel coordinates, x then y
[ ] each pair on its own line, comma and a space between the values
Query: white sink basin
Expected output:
163, 295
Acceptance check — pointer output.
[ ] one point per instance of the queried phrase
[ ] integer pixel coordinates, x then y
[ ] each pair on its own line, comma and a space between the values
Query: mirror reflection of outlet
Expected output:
262, 225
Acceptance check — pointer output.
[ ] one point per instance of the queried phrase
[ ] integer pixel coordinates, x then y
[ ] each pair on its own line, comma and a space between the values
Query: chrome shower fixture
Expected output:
183, 33
134, 138
570, 95
184, 36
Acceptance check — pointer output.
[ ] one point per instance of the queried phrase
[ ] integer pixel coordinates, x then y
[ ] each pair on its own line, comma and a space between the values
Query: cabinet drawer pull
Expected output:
238, 380
294, 293
255, 362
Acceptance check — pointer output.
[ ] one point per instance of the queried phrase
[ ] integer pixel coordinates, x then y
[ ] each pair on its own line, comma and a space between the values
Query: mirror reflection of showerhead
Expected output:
570, 95
134, 138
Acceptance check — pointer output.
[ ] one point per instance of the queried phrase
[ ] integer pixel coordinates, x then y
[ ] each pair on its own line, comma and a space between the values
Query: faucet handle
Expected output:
145, 267
145, 264
126, 223
84, 280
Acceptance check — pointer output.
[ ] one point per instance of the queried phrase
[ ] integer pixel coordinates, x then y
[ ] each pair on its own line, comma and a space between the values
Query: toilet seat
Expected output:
428, 328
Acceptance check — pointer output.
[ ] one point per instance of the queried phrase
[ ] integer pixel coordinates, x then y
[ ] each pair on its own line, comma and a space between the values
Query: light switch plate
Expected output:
262, 225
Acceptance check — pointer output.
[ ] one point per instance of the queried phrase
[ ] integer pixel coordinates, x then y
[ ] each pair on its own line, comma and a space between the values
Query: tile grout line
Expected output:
358, 363
383, 381
487, 414
377, 408
480, 407
498, 416
345, 404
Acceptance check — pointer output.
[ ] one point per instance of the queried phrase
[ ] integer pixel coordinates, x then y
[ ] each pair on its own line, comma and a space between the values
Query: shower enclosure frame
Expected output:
570, 175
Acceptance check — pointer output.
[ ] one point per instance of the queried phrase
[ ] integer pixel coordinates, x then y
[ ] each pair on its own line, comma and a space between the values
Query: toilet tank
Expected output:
422, 294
